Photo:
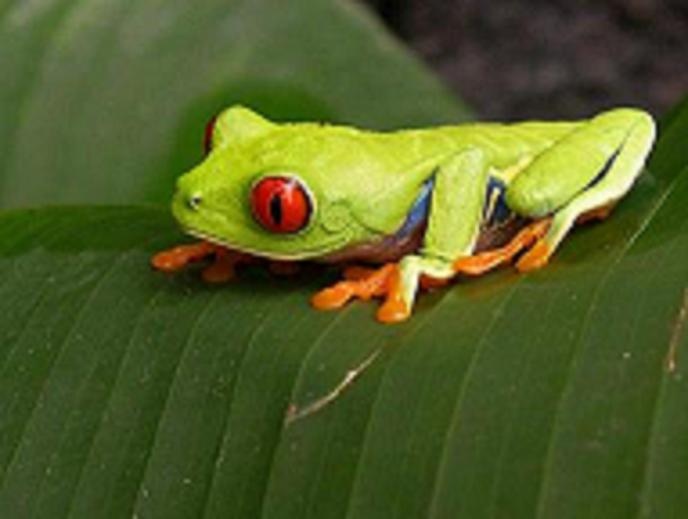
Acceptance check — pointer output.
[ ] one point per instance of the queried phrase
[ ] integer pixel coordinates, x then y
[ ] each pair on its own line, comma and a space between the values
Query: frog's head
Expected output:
270, 190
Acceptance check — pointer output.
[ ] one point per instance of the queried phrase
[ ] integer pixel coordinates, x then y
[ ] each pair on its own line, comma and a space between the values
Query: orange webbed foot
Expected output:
361, 283
488, 260
177, 258
221, 270
366, 283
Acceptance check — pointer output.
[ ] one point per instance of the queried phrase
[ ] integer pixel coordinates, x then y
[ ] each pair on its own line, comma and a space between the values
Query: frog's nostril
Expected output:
194, 201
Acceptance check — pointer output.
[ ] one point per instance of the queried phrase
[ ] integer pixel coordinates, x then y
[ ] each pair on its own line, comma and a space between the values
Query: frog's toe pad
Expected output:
394, 310
332, 297
167, 261
537, 257
177, 258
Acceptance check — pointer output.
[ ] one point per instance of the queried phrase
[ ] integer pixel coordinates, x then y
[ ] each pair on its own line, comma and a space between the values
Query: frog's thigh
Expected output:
622, 172
566, 170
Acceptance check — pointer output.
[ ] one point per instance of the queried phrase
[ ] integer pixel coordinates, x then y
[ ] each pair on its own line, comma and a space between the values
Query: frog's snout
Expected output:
187, 204
188, 198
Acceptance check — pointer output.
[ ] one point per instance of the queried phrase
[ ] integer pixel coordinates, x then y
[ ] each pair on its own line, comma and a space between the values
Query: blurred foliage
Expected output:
106, 101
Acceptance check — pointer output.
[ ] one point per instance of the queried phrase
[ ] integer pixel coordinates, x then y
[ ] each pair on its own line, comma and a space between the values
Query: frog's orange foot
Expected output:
358, 283
177, 258
488, 260
221, 270
394, 309
537, 257
364, 283
483, 262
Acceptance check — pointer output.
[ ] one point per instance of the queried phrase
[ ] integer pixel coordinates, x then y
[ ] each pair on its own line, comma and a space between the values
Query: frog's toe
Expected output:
333, 297
490, 259
172, 260
393, 311
537, 257
395, 308
223, 268
481, 263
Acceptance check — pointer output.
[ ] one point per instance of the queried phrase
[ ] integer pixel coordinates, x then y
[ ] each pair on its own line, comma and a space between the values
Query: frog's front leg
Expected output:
222, 268
176, 258
453, 226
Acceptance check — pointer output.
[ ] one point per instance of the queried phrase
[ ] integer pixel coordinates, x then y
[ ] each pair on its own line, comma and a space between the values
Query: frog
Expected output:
403, 210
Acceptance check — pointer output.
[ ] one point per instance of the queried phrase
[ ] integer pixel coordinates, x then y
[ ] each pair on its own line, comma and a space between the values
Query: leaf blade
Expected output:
532, 395
93, 107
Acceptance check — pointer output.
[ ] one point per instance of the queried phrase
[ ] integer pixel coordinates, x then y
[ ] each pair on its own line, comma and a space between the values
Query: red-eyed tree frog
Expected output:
414, 202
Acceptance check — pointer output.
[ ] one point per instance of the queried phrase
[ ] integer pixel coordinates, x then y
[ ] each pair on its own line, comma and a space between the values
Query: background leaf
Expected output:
105, 101
510, 395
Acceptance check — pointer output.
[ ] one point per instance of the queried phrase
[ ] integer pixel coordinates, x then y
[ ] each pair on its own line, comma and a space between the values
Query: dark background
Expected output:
550, 58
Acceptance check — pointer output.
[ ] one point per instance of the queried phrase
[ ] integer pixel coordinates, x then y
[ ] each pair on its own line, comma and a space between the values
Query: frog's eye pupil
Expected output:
280, 204
276, 208
208, 134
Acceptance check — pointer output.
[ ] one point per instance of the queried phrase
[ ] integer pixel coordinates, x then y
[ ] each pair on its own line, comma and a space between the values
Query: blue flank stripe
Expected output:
421, 207
500, 211
419, 211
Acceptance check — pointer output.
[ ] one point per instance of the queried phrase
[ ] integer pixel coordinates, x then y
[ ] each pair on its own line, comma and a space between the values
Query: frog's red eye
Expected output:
280, 204
208, 135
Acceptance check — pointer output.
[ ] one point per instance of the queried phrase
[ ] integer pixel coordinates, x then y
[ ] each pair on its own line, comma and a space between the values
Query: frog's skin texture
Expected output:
416, 199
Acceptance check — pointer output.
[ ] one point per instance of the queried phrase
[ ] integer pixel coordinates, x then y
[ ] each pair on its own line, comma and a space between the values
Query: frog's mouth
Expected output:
304, 254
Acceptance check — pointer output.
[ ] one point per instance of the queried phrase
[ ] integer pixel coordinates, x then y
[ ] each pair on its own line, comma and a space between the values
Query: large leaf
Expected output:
124, 392
106, 100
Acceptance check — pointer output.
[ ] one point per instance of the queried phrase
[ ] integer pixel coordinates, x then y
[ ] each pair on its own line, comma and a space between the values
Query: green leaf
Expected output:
125, 392
106, 101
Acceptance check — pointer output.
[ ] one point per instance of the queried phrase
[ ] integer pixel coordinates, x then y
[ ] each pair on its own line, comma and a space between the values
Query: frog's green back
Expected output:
504, 144
380, 173
401, 150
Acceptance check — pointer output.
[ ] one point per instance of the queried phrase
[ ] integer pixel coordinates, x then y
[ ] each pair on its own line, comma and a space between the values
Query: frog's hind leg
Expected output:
490, 259
583, 174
